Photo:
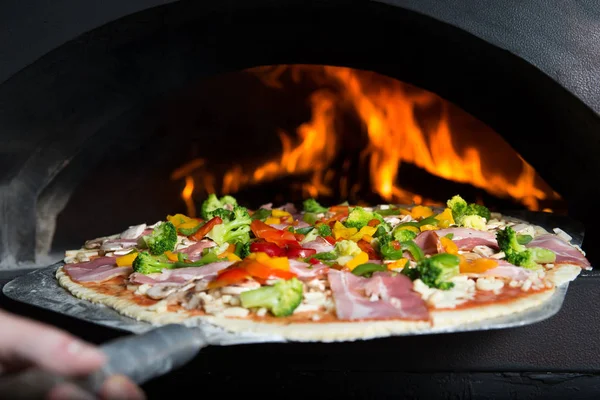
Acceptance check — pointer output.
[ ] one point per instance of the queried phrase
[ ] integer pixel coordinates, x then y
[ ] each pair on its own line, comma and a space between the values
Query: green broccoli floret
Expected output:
474, 222
403, 235
144, 263
359, 217
324, 230
436, 271
478, 209
234, 229
212, 202
458, 206
382, 229
519, 255
461, 210
281, 299
242, 249
508, 242
313, 206
163, 238
344, 251
221, 213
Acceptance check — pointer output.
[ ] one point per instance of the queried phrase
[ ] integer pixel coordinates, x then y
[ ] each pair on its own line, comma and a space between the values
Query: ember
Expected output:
403, 125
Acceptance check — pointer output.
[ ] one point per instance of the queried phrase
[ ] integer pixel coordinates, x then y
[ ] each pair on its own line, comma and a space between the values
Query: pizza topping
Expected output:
468, 215
508, 271
517, 254
467, 238
95, 263
181, 275
463, 289
308, 270
281, 299
344, 261
393, 297
565, 252
319, 244
162, 238
97, 270
435, 271
202, 229
194, 252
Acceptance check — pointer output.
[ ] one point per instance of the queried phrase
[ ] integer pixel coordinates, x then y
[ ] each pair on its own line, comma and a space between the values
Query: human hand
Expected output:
26, 344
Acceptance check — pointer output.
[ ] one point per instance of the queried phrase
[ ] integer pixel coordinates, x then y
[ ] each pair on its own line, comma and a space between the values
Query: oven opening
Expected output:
284, 133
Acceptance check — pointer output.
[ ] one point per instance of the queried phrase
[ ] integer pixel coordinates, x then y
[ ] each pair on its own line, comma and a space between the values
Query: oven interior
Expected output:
153, 116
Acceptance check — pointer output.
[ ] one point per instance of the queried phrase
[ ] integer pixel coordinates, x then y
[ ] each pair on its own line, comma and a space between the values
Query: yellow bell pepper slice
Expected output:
445, 218
398, 263
340, 231
280, 213
179, 219
448, 245
127, 259
364, 231
476, 266
273, 221
419, 212
171, 256
408, 228
428, 228
188, 225
282, 263
360, 258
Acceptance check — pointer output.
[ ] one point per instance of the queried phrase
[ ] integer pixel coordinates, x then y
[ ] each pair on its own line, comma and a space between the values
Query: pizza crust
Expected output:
307, 331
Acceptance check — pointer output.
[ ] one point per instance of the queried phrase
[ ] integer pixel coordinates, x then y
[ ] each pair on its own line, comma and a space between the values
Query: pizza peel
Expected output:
153, 351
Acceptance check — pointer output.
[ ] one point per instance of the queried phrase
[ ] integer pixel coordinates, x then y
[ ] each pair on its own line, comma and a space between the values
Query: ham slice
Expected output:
95, 263
507, 270
428, 241
99, 274
96, 270
395, 297
181, 275
319, 244
307, 271
467, 238
194, 251
565, 252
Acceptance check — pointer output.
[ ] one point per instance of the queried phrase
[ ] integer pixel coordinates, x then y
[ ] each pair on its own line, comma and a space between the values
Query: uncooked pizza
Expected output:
316, 272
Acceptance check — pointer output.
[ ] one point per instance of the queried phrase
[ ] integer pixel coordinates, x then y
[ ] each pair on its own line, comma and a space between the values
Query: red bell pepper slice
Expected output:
204, 229
300, 252
367, 248
270, 248
278, 236
229, 276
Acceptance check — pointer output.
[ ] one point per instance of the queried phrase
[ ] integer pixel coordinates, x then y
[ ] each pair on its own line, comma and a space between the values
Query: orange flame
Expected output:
389, 111
186, 194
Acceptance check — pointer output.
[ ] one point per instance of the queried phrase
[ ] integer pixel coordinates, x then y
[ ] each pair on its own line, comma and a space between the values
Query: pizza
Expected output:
325, 273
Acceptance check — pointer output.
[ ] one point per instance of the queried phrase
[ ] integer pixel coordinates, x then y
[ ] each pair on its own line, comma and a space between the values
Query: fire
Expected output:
389, 111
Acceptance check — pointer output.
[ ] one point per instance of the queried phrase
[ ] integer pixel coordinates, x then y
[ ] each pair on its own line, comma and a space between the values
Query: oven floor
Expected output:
556, 358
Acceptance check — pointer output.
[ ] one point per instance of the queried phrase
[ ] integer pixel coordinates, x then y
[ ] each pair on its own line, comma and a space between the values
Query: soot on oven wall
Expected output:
284, 133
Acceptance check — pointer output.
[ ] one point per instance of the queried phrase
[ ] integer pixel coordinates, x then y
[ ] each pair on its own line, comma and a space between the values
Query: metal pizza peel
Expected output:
152, 351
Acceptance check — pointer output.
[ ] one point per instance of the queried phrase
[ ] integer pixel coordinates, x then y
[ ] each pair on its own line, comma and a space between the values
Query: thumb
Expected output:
28, 343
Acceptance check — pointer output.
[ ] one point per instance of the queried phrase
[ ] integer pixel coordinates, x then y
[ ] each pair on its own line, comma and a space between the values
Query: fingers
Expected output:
119, 387
68, 391
28, 342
